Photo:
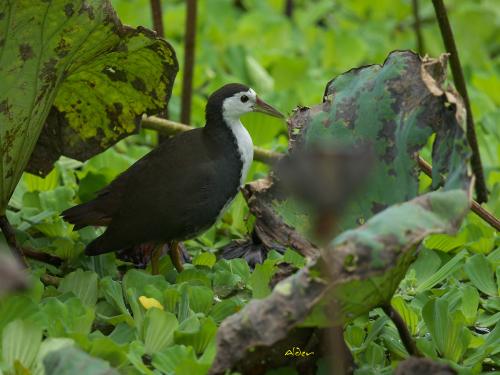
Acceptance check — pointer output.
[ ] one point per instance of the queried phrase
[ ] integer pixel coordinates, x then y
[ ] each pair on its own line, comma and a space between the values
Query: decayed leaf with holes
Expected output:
359, 270
394, 108
75, 60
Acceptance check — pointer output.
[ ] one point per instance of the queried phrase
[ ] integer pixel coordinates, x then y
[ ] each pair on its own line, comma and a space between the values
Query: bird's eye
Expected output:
244, 98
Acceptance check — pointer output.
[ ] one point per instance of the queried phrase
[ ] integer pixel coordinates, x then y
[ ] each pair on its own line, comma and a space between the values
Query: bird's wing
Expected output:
105, 206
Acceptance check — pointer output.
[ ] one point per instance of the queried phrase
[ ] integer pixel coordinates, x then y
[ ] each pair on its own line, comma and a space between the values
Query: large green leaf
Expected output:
100, 76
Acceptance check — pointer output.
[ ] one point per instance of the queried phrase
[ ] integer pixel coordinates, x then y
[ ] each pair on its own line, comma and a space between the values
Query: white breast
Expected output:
245, 145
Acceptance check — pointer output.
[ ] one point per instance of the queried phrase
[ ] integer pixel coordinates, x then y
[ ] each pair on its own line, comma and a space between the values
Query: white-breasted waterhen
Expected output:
180, 188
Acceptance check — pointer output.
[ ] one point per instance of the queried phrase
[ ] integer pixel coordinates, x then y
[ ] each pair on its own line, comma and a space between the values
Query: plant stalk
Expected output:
458, 77
417, 27
189, 51
404, 334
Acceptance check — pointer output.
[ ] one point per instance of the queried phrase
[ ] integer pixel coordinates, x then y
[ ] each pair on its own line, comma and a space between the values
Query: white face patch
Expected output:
232, 108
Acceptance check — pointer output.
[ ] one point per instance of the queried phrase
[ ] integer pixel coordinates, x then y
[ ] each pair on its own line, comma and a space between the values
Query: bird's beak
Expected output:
263, 107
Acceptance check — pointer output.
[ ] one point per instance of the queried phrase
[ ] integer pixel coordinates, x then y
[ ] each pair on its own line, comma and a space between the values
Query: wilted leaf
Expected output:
394, 108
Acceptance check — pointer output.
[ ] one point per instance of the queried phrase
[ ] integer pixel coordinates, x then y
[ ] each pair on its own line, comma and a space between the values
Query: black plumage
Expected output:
173, 193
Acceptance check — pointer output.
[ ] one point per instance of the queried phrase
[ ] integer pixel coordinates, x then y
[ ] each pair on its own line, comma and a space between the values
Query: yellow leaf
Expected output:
149, 303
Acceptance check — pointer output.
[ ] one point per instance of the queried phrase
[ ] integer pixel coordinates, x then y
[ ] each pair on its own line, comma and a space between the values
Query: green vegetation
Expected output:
100, 315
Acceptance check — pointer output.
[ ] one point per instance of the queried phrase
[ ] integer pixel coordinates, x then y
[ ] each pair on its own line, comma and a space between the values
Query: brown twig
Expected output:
404, 334
458, 77
168, 127
189, 49
475, 207
50, 280
417, 27
157, 16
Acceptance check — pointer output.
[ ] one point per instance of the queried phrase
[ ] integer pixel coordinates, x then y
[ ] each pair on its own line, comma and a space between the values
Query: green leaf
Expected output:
72, 317
225, 308
196, 333
179, 360
294, 258
135, 355
16, 307
171, 298
193, 276
375, 355
447, 328
113, 293
392, 340
427, 263
82, 284
107, 349
407, 313
480, 273
470, 303
20, 342
141, 280
159, 327
200, 298
260, 278
237, 267
205, 259
450, 267
354, 336
444, 242
123, 334
68, 361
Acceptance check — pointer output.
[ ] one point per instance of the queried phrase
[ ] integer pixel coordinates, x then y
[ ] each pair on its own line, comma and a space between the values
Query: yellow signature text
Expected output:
297, 352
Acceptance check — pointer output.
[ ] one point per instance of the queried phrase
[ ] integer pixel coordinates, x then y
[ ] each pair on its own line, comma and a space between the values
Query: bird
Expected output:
180, 188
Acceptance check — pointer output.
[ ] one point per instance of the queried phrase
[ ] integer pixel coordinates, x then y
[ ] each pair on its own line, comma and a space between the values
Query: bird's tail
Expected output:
85, 214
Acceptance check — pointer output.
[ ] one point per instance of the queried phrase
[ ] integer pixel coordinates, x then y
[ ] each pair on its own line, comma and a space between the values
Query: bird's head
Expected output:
234, 100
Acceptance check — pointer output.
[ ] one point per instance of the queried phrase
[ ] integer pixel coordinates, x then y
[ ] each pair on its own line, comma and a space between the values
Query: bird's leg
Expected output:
175, 255
155, 259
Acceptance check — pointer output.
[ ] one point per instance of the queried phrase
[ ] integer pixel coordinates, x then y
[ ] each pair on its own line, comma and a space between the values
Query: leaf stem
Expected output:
417, 27
157, 15
404, 334
458, 77
189, 49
